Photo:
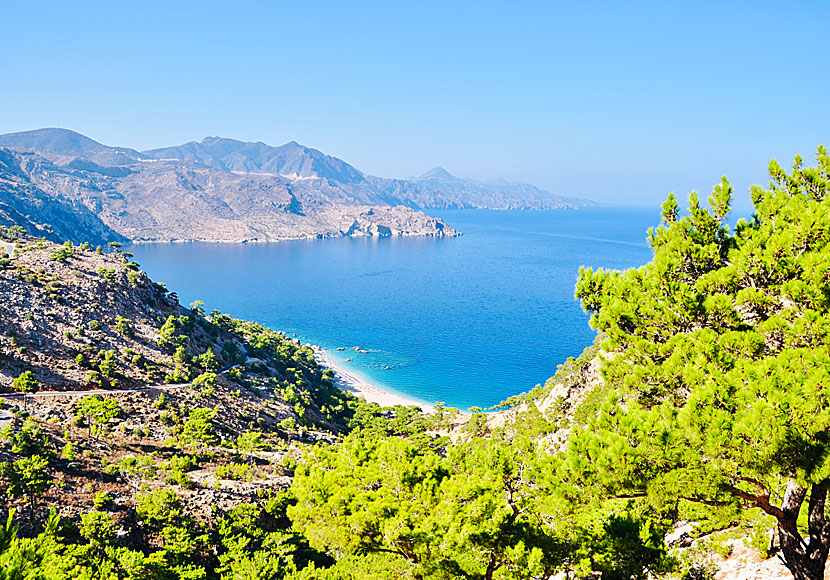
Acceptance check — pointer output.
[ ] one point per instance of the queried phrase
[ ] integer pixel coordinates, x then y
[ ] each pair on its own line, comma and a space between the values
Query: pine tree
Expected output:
718, 352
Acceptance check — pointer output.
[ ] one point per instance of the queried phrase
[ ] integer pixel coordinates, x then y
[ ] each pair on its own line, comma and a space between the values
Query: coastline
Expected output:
353, 383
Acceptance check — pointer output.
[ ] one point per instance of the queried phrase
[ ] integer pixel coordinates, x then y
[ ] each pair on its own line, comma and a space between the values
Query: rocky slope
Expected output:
92, 326
80, 320
55, 217
224, 190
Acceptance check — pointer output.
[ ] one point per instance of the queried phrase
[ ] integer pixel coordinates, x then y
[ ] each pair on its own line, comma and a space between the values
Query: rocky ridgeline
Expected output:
86, 191
80, 319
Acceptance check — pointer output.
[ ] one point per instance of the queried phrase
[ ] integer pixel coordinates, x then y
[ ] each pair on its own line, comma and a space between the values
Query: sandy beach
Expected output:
358, 386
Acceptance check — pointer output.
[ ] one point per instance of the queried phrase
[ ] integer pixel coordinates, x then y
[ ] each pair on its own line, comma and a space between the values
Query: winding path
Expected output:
6, 417
94, 392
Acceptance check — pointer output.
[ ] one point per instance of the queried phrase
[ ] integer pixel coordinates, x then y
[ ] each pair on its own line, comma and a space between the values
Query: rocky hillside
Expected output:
161, 440
224, 190
79, 319
24, 203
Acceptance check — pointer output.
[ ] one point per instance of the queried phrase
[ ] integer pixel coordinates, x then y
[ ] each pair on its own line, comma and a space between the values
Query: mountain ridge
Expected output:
227, 190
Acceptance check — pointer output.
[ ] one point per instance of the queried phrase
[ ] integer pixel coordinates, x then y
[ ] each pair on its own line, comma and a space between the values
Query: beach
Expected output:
351, 382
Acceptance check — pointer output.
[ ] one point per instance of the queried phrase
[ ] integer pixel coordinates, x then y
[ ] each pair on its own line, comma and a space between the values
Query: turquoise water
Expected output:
467, 321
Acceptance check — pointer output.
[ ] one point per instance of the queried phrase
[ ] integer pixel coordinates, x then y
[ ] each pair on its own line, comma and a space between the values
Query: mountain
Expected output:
292, 160
437, 173
219, 190
56, 218
439, 189
315, 172
227, 190
64, 143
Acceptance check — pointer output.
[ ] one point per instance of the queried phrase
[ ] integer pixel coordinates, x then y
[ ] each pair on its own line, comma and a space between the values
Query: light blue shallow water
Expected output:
467, 321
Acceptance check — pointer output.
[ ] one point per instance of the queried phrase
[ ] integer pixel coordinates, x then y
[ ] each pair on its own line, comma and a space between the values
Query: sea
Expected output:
467, 321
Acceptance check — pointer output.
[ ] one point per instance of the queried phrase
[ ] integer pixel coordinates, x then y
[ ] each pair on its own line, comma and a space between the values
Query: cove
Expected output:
466, 321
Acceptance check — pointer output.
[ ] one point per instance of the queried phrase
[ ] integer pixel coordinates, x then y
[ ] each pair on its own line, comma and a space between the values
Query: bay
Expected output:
467, 321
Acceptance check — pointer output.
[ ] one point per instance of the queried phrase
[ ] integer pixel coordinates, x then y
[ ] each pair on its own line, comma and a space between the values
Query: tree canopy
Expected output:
718, 355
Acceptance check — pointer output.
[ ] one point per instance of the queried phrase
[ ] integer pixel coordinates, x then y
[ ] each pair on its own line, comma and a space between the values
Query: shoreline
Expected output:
357, 385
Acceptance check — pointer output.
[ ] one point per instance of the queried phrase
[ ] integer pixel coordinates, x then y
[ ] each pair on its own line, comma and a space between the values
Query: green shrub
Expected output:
180, 356
108, 364
289, 424
176, 377
123, 326
107, 274
158, 508
68, 451
102, 500
64, 252
233, 471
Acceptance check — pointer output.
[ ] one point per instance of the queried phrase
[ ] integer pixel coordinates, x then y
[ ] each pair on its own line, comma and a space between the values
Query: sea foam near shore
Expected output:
348, 380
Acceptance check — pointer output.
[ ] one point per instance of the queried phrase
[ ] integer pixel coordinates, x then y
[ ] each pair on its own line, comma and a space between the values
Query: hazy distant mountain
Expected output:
227, 190
437, 173
291, 160
439, 189
69, 144
313, 171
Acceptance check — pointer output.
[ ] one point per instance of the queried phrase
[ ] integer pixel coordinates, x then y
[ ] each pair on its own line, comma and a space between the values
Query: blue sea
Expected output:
468, 321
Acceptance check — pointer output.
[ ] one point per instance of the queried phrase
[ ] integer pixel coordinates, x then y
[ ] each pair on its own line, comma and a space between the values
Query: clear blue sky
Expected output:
617, 101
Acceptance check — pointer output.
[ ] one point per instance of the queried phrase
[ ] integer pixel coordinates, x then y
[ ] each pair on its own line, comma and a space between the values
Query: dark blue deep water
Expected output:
467, 321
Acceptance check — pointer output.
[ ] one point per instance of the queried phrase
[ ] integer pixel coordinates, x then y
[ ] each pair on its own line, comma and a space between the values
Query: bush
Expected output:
207, 382
64, 253
26, 382
68, 451
123, 326
233, 471
180, 463
207, 361
289, 424
102, 500
109, 364
180, 356
107, 273
98, 528
158, 508
176, 377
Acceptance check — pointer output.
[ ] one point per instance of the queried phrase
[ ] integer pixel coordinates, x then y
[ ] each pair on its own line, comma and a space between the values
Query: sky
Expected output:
621, 102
